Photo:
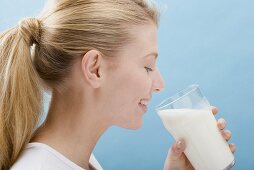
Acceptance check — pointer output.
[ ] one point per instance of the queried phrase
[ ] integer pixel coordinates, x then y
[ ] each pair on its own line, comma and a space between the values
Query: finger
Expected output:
226, 134
176, 150
214, 110
221, 123
232, 147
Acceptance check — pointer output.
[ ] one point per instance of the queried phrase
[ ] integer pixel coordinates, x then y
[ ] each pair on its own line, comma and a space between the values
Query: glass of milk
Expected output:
187, 115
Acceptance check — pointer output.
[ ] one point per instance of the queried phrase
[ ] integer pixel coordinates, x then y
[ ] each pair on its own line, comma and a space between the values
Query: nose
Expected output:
158, 82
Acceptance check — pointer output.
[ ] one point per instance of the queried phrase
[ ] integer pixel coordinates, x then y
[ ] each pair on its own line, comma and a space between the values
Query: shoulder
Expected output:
38, 157
30, 158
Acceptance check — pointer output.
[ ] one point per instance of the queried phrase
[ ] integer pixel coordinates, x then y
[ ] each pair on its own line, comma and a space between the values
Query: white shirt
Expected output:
39, 156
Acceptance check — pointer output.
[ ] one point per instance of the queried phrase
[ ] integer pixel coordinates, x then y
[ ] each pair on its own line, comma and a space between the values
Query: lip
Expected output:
143, 107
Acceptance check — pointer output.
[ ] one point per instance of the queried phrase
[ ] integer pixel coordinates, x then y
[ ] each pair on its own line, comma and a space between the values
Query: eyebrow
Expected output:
152, 54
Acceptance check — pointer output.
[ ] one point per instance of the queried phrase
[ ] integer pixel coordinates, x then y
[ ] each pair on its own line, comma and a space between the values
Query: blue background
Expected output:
205, 42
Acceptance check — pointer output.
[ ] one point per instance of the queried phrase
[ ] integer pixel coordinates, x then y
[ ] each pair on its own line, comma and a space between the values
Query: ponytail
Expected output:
20, 90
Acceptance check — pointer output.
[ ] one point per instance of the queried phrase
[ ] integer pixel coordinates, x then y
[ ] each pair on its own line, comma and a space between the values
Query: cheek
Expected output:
132, 88
126, 91
137, 84
142, 84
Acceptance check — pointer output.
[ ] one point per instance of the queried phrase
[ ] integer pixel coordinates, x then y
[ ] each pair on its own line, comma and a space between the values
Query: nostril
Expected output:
158, 89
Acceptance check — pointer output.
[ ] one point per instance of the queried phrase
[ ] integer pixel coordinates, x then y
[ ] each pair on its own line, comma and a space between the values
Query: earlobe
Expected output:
90, 64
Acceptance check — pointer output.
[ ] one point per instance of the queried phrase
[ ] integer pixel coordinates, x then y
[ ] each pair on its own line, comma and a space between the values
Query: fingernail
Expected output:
179, 144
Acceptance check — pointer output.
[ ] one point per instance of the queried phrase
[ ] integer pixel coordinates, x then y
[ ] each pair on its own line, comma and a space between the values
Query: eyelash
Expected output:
148, 69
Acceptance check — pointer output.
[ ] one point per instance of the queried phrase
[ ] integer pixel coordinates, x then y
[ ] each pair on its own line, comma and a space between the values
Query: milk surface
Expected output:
205, 147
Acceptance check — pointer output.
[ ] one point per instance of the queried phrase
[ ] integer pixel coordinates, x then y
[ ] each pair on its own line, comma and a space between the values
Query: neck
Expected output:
72, 128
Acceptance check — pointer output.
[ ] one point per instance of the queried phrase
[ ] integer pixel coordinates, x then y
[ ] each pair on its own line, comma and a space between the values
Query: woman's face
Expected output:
135, 78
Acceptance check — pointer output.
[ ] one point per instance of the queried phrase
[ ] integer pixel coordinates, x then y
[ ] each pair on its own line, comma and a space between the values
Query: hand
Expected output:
176, 159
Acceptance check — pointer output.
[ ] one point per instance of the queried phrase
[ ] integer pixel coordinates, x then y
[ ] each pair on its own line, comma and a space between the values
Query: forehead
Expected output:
144, 41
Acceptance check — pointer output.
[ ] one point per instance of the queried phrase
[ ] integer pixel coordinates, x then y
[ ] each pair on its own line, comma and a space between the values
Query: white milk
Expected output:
205, 147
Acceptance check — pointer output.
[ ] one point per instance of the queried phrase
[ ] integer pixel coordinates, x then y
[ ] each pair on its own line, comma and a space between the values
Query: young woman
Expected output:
98, 58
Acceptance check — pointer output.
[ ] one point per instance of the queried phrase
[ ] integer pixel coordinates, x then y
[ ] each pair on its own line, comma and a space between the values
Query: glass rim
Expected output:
189, 89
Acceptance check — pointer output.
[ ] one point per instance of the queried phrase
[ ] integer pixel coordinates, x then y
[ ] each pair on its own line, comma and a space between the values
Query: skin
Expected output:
101, 92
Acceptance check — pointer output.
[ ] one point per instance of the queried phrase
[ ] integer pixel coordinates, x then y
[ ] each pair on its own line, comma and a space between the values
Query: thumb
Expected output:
176, 150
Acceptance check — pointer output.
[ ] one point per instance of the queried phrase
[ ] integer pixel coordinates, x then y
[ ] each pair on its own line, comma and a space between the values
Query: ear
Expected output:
91, 65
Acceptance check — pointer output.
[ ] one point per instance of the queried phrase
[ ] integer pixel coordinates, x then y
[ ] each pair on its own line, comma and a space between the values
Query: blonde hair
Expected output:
67, 29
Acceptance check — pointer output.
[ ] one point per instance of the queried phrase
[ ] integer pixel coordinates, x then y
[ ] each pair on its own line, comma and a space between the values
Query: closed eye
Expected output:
148, 69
